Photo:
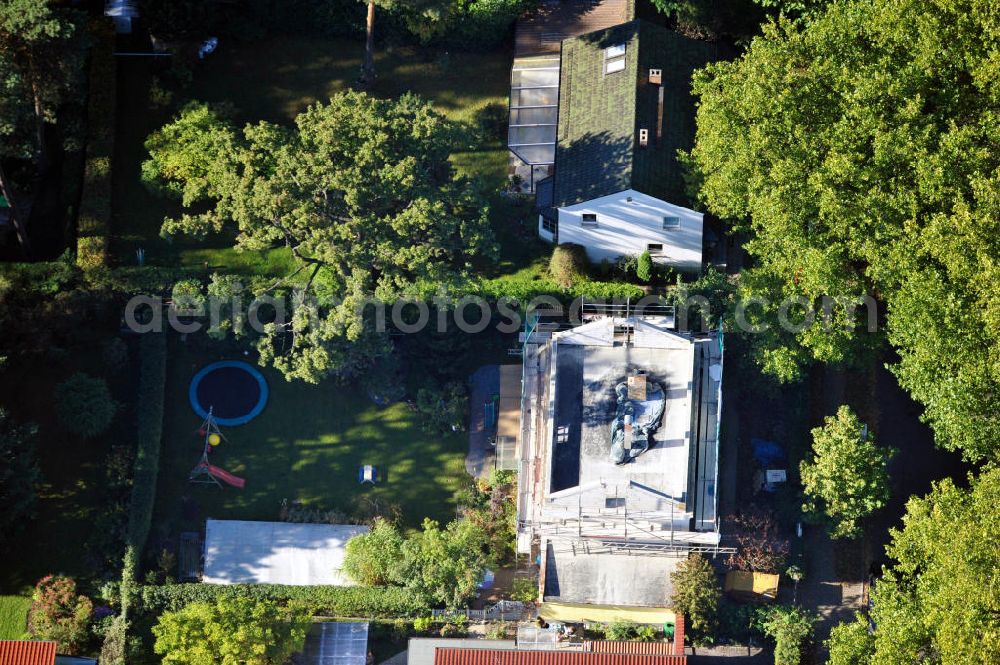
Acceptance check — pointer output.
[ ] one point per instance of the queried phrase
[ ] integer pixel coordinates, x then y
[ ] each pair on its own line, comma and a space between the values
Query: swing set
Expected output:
204, 472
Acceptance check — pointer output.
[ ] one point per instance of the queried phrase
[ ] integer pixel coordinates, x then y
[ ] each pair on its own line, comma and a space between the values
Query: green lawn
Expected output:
13, 617
307, 445
275, 79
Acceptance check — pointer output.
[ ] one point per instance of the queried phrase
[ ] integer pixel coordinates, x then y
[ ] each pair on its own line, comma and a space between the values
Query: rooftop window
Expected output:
671, 223
614, 59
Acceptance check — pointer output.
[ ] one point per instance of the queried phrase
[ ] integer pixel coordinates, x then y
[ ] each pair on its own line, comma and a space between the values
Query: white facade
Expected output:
629, 223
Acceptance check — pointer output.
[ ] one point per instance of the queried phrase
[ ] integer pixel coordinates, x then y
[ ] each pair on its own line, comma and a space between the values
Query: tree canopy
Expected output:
791, 628
371, 558
862, 146
846, 477
942, 594
59, 614
232, 631
41, 58
442, 566
360, 190
84, 405
696, 595
445, 566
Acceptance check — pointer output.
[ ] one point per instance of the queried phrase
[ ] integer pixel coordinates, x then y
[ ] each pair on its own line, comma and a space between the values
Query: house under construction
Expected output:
618, 460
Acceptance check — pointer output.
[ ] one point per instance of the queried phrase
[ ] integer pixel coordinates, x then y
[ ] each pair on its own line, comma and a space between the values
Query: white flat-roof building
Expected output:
619, 457
242, 552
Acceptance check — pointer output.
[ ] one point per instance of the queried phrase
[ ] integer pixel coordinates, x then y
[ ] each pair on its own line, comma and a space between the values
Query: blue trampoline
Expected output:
235, 391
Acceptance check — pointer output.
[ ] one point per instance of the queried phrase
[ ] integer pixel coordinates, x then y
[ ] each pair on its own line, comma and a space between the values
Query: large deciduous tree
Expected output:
864, 148
938, 602
696, 595
445, 566
232, 631
846, 477
362, 193
41, 59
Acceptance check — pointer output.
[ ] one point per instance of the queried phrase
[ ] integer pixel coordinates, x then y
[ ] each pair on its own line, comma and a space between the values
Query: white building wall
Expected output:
626, 223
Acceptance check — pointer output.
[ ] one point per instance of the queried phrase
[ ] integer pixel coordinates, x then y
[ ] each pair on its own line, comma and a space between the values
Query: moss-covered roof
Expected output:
600, 113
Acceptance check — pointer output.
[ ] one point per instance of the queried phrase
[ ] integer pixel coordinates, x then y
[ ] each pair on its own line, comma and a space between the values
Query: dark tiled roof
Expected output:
19, 652
600, 114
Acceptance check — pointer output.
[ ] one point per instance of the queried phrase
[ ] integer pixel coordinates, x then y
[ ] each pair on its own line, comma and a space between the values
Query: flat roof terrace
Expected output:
585, 405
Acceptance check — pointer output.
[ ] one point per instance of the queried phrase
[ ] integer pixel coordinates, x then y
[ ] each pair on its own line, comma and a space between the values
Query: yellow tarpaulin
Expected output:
582, 612
759, 585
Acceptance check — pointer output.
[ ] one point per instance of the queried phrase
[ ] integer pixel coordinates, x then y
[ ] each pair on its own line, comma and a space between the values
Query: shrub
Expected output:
620, 631
482, 24
443, 408
696, 595
568, 264
423, 624
373, 558
790, 628
59, 614
644, 267
149, 429
497, 631
759, 545
524, 589
84, 405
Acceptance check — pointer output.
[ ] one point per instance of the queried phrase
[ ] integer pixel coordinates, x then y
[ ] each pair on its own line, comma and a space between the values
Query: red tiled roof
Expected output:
548, 657
648, 648
19, 652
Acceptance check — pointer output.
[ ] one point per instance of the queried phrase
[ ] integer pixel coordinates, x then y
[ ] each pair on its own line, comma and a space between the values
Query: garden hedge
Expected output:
372, 602
149, 431
94, 223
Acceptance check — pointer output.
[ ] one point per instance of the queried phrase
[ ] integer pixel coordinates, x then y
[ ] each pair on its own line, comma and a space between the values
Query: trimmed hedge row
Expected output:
526, 288
149, 430
94, 223
373, 602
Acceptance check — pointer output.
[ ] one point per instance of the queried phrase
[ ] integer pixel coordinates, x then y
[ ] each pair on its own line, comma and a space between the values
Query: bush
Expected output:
59, 614
696, 595
644, 267
375, 602
759, 545
423, 624
482, 24
443, 409
84, 405
497, 631
524, 589
149, 429
568, 264
791, 629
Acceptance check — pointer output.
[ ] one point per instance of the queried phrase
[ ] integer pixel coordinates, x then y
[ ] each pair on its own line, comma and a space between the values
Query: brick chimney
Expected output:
679, 635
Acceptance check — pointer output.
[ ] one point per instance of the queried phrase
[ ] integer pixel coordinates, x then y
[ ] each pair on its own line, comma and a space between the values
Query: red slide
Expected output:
226, 477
